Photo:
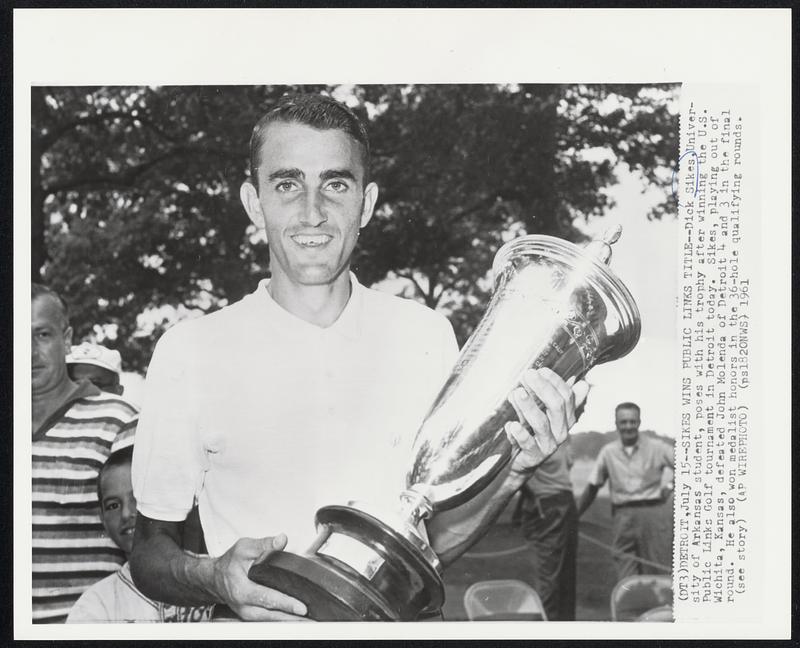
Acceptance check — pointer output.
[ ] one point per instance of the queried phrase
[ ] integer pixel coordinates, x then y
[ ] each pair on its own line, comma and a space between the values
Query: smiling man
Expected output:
639, 471
304, 393
75, 428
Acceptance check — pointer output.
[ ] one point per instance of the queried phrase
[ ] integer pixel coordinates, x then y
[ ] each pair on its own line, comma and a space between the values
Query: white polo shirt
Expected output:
265, 417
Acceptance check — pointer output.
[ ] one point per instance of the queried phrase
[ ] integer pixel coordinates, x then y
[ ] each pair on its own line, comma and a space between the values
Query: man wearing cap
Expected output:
98, 364
639, 471
304, 393
75, 428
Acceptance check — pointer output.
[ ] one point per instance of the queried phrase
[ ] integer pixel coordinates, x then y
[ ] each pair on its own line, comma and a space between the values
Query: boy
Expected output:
116, 598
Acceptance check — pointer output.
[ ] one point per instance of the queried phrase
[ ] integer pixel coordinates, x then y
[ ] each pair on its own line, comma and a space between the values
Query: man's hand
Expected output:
249, 600
551, 425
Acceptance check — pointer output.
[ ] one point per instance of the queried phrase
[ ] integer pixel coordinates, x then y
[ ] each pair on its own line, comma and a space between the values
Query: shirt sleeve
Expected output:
442, 349
599, 473
168, 456
668, 455
91, 607
125, 435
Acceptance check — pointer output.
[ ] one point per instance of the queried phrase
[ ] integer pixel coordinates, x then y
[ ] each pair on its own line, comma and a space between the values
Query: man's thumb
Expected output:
271, 544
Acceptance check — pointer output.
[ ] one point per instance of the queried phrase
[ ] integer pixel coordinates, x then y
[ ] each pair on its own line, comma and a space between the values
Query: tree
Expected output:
135, 189
465, 165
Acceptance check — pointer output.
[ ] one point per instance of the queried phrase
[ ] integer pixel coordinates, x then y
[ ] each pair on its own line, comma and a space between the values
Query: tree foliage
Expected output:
135, 190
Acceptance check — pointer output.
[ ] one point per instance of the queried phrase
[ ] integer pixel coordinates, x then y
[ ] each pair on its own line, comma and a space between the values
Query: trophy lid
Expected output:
588, 264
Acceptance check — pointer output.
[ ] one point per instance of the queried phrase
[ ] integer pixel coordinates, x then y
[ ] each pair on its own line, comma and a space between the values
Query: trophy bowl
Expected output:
554, 305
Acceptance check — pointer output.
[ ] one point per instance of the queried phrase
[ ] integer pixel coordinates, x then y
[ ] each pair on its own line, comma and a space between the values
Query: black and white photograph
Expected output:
407, 352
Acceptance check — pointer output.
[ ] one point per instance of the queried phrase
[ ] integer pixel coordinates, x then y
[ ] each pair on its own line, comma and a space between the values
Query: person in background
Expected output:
116, 598
549, 522
75, 427
97, 364
639, 471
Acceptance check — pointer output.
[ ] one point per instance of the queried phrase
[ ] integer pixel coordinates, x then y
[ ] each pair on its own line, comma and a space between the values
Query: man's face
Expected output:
118, 506
102, 378
628, 425
311, 201
50, 342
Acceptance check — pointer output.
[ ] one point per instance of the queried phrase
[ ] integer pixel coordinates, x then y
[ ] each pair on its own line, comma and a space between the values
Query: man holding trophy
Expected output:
309, 392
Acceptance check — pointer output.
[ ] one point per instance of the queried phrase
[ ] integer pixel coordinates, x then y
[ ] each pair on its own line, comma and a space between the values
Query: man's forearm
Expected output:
586, 498
165, 572
452, 532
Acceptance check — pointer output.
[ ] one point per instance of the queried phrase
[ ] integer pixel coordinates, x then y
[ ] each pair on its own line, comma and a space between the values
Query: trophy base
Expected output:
329, 594
359, 569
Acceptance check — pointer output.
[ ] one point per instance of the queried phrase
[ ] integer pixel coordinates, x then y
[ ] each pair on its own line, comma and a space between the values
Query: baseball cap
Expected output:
96, 354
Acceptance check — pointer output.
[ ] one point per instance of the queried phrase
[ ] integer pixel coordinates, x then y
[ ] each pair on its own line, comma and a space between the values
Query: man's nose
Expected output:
313, 210
129, 511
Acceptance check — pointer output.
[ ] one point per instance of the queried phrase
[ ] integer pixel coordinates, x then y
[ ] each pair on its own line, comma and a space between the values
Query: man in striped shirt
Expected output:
75, 428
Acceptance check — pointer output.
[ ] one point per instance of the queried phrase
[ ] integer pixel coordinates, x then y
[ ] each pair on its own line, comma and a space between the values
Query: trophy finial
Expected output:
612, 234
600, 249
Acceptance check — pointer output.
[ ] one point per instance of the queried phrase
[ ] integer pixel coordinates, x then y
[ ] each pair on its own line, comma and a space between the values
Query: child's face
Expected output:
118, 507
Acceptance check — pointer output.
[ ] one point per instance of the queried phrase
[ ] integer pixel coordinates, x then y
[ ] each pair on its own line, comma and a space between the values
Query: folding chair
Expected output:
503, 600
635, 595
663, 613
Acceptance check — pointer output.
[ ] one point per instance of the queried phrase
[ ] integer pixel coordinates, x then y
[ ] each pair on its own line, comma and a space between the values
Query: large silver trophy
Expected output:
554, 305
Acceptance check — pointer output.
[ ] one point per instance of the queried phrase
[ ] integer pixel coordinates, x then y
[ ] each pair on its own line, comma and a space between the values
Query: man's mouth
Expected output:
127, 531
311, 240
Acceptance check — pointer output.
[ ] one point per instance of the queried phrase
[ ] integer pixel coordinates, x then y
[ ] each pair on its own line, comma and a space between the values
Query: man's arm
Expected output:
451, 533
667, 470
164, 572
587, 497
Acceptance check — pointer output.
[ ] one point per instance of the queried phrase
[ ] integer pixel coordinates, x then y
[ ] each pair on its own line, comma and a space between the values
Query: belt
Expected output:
638, 503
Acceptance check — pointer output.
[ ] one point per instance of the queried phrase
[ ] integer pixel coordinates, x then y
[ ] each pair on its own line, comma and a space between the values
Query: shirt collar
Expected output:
347, 326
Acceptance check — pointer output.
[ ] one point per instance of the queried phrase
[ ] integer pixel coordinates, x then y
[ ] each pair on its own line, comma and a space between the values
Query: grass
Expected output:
502, 554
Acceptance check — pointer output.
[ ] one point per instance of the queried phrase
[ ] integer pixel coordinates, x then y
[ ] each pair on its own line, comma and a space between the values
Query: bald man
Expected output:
75, 428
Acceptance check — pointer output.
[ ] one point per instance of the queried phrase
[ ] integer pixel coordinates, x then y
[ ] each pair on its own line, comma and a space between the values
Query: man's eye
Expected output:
286, 185
43, 335
111, 506
337, 186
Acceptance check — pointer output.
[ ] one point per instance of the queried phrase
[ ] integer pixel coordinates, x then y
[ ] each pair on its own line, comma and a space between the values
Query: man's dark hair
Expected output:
628, 405
316, 111
40, 290
117, 458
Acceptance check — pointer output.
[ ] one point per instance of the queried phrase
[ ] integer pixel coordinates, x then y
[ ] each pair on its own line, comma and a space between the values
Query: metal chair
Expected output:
663, 614
503, 600
635, 595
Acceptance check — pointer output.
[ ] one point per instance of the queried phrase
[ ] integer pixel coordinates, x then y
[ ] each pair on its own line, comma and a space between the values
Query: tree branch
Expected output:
410, 277
128, 177
51, 137
125, 179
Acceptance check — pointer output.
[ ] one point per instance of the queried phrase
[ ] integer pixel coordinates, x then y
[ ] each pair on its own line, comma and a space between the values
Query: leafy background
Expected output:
136, 218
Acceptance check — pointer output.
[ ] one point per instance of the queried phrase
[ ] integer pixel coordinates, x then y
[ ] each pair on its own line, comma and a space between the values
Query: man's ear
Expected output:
249, 198
370, 200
